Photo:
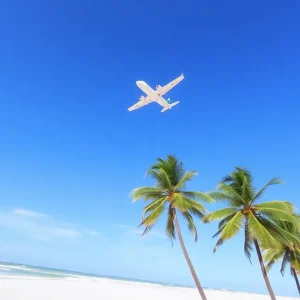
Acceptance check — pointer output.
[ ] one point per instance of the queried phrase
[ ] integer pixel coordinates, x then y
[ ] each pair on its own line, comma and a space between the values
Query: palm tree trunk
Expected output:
296, 279
263, 270
199, 287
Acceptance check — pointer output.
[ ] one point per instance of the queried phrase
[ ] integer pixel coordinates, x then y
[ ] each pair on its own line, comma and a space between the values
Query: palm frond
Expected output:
289, 238
161, 164
286, 225
247, 189
162, 179
188, 176
282, 233
282, 205
165, 177
235, 180
153, 205
172, 167
258, 231
154, 215
147, 229
180, 203
285, 261
219, 214
147, 193
196, 212
272, 256
191, 224
226, 220
219, 231
230, 229
195, 205
279, 214
295, 259
262, 191
179, 172
222, 224
248, 242
223, 197
198, 196
170, 229
228, 179
232, 193
238, 185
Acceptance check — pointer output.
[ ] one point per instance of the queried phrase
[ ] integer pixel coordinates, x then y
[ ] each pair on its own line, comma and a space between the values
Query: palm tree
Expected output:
288, 251
170, 193
243, 212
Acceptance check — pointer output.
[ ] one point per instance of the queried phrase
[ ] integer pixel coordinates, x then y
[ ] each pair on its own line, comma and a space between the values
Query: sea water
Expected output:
12, 270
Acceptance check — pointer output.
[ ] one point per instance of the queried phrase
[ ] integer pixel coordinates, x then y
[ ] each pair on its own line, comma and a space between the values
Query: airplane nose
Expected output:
139, 83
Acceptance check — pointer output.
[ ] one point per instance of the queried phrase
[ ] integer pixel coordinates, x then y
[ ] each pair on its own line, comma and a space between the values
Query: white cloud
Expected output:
27, 213
64, 232
91, 232
41, 226
151, 232
159, 234
137, 231
124, 226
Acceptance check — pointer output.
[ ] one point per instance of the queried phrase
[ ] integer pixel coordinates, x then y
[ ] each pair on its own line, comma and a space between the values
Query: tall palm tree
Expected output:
288, 251
243, 212
170, 194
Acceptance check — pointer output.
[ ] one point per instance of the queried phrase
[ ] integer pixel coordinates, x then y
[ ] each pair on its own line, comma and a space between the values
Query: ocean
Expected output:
13, 270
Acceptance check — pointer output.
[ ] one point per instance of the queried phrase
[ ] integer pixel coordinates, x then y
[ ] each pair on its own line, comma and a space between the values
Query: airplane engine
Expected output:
142, 98
158, 87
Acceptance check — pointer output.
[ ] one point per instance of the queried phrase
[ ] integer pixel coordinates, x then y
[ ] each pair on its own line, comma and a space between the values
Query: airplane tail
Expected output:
171, 105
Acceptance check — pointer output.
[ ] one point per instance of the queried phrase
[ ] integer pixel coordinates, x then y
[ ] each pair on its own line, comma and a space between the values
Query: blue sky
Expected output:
71, 152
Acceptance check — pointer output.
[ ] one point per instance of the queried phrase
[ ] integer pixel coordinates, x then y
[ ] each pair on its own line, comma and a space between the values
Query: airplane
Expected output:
156, 95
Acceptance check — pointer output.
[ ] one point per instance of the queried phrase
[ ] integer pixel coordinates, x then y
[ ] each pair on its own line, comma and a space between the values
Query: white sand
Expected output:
105, 289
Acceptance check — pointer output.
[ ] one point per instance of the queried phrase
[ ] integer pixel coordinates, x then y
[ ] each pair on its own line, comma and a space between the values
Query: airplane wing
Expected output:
139, 104
164, 89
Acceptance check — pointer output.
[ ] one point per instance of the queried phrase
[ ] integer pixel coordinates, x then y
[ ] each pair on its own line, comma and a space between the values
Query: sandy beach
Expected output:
106, 289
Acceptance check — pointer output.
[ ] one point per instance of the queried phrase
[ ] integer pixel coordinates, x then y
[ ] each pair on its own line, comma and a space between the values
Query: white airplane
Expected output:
156, 96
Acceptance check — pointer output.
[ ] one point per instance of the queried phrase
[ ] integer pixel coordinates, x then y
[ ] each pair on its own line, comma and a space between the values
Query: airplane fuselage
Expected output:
152, 95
